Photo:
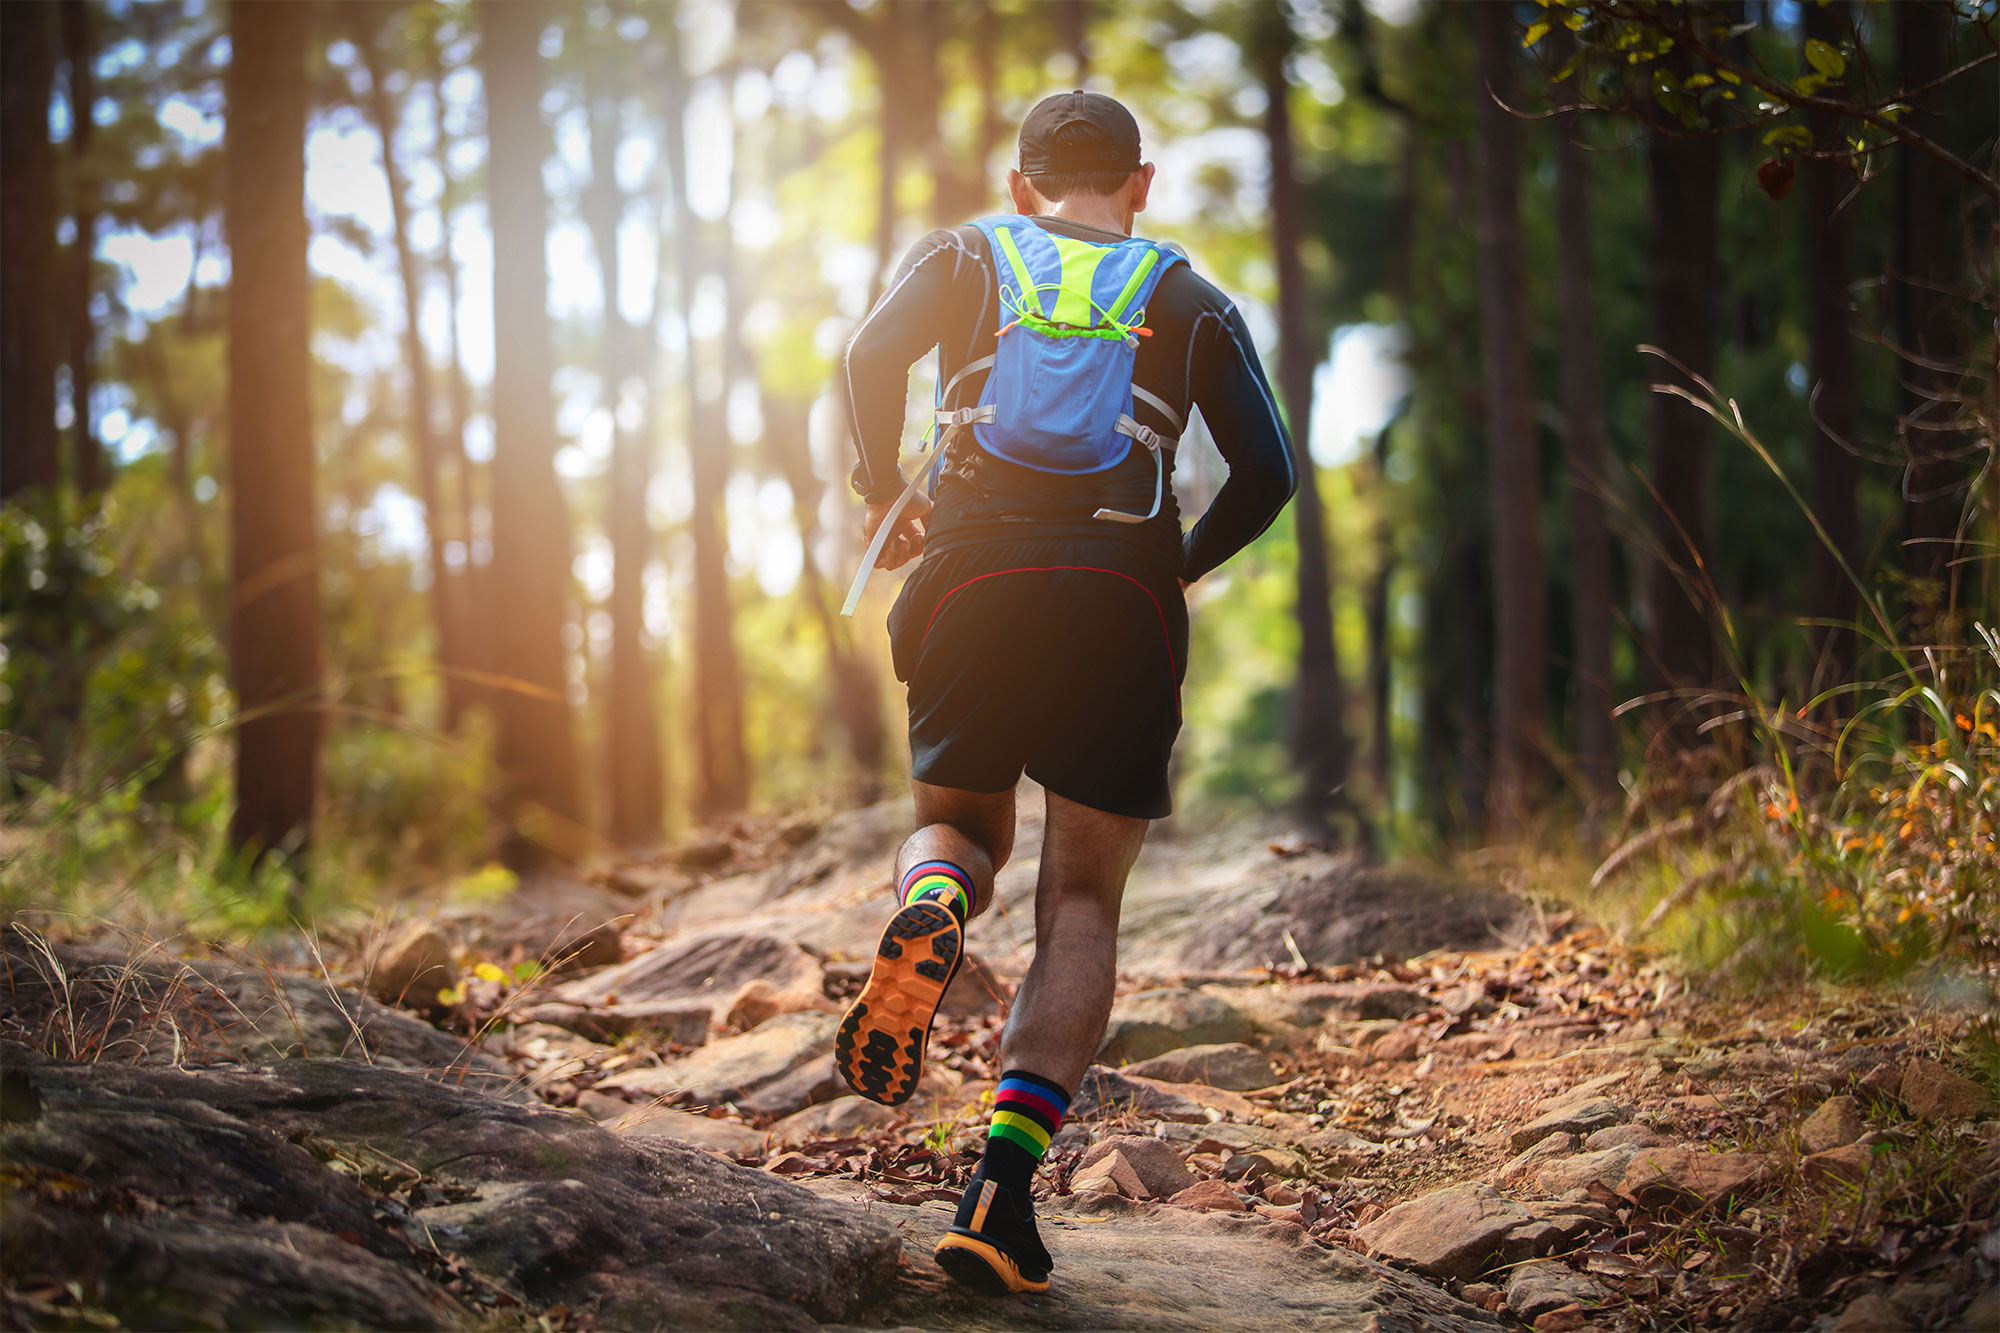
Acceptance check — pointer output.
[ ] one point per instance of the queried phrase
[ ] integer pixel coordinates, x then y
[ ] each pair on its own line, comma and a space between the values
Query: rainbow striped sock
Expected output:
940, 882
1028, 1110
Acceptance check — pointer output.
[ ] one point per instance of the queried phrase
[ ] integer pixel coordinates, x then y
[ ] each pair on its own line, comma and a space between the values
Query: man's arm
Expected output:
906, 323
1228, 386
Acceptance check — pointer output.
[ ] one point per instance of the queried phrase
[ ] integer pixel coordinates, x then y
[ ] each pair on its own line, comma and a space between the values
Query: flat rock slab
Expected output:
312, 1193
1153, 1022
1935, 1093
1144, 1266
781, 1066
1581, 1118
1462, 1232
1105, 1093
711, 969
1685, 1180
1229, 1065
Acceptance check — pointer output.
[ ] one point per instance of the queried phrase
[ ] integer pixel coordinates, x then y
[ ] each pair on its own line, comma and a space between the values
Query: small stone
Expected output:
1362, 999
1400, 1044
1623, 1136
703, 853
1686, 1181
1537, 1156
840, 1118
1229, 1065
662, 1122
1264, 1164
759, 1001
1478, 1293
1849, 1162
1209, 1196
1871, 1314
1565, 1320
1535, 1289
1462, 1232
1935, 1093
601, 1106
574, 950
1277, 1214
1581, 1118
1114, 1168
413, 966
660, 1020
1154, 1161
1605, 1167
1281, 1195
1153, 1022
1881, 1082
1835, 1124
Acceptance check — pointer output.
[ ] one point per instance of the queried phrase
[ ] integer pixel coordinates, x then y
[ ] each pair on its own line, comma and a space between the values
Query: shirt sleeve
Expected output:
906, 323
1228, 385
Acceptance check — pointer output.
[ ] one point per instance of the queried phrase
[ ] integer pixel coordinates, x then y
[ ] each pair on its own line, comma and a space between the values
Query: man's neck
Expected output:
1093, 211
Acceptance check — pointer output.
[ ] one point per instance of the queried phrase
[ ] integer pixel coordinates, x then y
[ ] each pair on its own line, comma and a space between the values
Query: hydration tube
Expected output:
874, 552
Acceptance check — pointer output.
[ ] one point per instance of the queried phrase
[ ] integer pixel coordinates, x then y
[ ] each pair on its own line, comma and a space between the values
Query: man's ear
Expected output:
1026, 201
1141, 185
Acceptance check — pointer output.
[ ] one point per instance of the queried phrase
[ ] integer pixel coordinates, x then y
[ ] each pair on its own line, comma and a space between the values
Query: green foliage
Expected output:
405, 804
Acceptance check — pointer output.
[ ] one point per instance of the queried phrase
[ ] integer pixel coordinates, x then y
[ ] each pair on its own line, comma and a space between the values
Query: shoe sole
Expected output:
879, 1046
983, 1266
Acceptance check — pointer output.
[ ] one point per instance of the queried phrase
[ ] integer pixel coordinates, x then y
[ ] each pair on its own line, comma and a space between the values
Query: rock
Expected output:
1836, 1123
1847, 1163
1363, 999
1983, 1315
1343, 911
1281, 1195
1580, 1118
838, 1119
656, 1020
1221, 1137
1231, 1065
1336, 1140
1567, 1319
1932, 1092
1481, 1293
1536, 1289
412, 966
1272, 1011
1278, 1213
1882, 1082
1574, 1221
711, 969
704, 853
1538, 1155
1209, 1196
1155, 1162
573, 948
243, 1226
777, 1068
1871, 1314
1686, 1180
1462, 1232
1153, 1022
760, 1001
1265, 1164
1605, 1167
1397, 1044
1114, 1170
975, 990
1104, 1093
663, 1122
1623, 1136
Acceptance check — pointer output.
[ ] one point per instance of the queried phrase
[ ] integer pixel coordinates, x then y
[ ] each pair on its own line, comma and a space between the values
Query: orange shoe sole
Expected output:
982, 1266
879, 1046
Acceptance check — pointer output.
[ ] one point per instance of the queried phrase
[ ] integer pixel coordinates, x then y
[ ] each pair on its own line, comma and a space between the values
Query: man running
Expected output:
1045, 630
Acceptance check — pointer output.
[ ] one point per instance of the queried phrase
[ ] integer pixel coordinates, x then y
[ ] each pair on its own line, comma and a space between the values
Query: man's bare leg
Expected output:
973, 830
1059, 1014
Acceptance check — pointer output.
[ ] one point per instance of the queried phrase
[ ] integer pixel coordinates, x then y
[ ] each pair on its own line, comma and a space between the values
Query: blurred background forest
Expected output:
424, 443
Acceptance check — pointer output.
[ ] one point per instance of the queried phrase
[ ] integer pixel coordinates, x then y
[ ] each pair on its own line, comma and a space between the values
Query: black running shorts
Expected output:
1063, 659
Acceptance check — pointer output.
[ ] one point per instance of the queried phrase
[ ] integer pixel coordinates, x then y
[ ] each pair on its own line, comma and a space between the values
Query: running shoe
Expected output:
993, 1245
879, 1047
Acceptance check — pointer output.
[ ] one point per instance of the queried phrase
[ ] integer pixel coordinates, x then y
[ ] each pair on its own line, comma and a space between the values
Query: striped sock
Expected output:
1028, 1110
939, 882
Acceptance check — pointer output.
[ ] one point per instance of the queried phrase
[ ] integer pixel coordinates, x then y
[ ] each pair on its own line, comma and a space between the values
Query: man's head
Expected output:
1083, 148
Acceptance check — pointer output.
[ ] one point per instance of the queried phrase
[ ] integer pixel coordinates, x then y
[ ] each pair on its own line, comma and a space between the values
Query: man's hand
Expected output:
906, 539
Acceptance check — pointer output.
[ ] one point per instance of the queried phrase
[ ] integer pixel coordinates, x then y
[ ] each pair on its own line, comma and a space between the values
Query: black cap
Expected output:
1078, 131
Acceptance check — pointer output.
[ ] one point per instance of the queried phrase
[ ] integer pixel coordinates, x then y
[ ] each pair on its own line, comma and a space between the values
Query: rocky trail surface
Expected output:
1330, 1096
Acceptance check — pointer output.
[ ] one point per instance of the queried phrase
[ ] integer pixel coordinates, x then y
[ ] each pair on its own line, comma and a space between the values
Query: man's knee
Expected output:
986, 820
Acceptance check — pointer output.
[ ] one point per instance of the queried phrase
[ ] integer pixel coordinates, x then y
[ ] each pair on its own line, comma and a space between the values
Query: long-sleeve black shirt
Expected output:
943, 295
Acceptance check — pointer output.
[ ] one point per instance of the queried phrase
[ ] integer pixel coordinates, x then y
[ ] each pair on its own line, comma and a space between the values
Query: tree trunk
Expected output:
1835, 404
632, 734
416, 364
1074, 18
717, 713
274, 631
1319, 743
473, 577
1681, 279
531, 534
1928, 223
29, 458
92, 474
893, 111
1381, 773
1513, 475
1584, 455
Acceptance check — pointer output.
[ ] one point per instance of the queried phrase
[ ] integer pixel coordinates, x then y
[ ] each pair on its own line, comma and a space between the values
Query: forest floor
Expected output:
1330, 1096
